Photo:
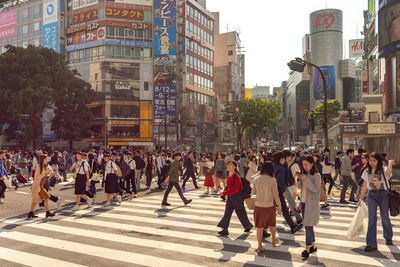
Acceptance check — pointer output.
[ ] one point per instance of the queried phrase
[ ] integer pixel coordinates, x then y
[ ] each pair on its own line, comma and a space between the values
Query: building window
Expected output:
230, 53
25, 13
146, 86
36, 26
25, 29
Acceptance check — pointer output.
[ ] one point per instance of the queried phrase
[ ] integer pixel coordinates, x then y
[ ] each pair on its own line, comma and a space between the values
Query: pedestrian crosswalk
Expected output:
142, 233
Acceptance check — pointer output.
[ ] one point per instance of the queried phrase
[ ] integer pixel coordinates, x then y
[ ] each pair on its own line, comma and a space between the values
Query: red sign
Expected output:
114, 23
85, 17
325, 20
124, 13
87, 36
365, 87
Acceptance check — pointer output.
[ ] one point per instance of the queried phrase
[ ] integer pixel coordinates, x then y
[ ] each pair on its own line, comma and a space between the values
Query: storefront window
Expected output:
125, 132
125, 111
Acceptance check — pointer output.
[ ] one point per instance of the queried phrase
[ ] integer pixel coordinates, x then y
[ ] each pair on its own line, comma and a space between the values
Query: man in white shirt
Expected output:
130, 179
160, 162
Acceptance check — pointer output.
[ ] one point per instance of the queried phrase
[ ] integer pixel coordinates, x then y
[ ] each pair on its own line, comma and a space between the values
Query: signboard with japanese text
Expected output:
164, 61
100, 42
86, 36
77, 4
124, 13
330, 77
50, 25
356, 48
136, 2
113, 23
85, 16
8, 24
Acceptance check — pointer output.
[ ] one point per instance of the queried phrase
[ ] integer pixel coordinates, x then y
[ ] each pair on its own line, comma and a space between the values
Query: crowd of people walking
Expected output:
271, 183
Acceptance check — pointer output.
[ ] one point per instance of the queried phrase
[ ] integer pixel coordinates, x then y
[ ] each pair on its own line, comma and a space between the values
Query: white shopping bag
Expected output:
8, 182
359, 224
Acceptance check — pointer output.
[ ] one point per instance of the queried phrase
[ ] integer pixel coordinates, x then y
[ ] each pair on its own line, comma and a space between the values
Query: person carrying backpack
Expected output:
235, 201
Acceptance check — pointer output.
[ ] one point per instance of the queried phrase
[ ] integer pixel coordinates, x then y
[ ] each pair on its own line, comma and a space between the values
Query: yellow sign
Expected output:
248, 93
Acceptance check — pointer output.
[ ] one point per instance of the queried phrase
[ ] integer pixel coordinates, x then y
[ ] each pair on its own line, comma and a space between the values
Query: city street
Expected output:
142, 233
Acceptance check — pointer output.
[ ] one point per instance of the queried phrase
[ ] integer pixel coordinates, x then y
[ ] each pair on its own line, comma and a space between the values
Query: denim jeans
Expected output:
381, 199
138, 177
292, 203
310, 235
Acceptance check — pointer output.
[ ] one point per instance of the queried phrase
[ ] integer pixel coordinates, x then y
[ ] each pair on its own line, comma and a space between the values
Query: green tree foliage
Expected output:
254, 115
333, 111
31, 79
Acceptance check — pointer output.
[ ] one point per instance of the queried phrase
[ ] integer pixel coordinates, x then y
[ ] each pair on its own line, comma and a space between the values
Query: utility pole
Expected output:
165, 118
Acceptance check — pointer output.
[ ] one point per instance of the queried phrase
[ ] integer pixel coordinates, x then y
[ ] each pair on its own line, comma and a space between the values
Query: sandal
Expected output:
260, 250
313, 249
304, 255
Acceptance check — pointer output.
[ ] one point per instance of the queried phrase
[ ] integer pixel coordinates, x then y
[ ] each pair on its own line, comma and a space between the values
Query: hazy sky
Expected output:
271, 31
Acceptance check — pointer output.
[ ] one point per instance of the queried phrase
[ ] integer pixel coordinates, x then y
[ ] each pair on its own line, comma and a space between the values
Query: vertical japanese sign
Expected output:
50, 24
164, 61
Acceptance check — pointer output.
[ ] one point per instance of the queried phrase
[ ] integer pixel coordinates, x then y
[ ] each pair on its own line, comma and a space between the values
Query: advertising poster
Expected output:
330, 77
389, 26
50, 25
164, 62
8, 24
77, 4
303, 118
124, 13
356, 48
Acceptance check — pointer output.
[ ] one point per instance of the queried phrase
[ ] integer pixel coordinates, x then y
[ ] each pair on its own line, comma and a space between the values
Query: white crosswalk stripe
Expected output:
141, 232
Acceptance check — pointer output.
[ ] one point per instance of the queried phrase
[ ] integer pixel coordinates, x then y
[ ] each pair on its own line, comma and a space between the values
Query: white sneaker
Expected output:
119, 199
107, 204
89, 202
76, 207
58, 202
1, 201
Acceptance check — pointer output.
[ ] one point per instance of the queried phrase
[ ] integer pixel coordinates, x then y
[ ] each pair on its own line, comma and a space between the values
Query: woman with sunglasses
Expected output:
376, 180
235, 201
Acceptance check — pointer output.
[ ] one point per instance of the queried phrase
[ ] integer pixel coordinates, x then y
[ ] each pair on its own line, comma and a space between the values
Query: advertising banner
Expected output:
326, 20
389, 27
164, 61
124, 13
303, 117
330, 77
136, 2
50, 25
87, 36
8, 24
114, 23
356, 48
77, 4
85, 16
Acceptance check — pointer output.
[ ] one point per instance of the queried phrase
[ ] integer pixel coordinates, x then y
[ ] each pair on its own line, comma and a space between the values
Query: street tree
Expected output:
318, 113
72, 115
252, 115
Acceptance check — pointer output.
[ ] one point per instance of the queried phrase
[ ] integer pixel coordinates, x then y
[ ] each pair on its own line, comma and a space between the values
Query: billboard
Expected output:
330, 77
164, 61
86, 36
136, 2
326, 20
114, 23
389, 27
8, 24
124, 13
77, 4
85, 16
50, 24
356, 48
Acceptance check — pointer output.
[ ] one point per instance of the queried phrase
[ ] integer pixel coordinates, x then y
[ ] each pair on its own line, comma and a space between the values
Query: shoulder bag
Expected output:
394, 198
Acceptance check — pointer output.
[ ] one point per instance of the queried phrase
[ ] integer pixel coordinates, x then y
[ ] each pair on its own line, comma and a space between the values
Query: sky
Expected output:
271, 31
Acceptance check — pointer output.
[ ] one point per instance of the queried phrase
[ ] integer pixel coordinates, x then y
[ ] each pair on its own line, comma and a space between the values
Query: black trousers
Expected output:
149, 177
161, 178
190, 173
285, 210
130, 180
235, 203
2, 189
328, 178
346, 181
178, 188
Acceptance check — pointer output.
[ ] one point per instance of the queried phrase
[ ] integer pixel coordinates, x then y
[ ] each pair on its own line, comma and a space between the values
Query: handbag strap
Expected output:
389, 187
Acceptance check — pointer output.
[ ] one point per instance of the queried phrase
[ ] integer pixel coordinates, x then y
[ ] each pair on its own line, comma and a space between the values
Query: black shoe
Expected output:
266, 234
247, 230
304, 255
165, 204
291, 213
324, 206
197, 187
49, 214
299, 226
224, 232
313, 249
188, 201
370, 249
16, 187
31, 215
343, 202
389, 243
183, 188
295, 228
223, 198
353, 200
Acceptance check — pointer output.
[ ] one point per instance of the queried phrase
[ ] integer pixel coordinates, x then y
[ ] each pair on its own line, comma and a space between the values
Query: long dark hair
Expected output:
310, 159
235, 164
379, 168
41, 162
267, 168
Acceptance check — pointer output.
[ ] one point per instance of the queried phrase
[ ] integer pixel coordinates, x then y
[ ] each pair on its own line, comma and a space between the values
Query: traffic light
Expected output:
178, 121
296, 65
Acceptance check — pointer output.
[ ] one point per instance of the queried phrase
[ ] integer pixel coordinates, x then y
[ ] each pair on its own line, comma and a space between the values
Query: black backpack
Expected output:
290, 178
246, 191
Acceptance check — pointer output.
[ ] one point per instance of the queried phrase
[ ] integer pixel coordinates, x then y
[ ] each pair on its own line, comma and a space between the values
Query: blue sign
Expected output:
129, 43
50, 9
85, 45
164, 27
162, 93
50, 35
330, 78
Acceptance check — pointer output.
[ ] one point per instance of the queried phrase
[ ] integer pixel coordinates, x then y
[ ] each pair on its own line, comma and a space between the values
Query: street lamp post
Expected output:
298, 65
105, 133
237, 129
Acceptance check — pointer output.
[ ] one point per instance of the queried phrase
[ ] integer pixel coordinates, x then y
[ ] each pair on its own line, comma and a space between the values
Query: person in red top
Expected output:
235, 201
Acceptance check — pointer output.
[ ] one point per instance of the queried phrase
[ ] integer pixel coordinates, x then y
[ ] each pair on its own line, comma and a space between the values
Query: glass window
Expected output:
121, 31
147, 15
95, 53
25, 12
140, 33
81, 55
102, 14
25, 29
117, 50
146, 86
191, 27
36, 26
101, 51
110, 31
127, 51
147, 52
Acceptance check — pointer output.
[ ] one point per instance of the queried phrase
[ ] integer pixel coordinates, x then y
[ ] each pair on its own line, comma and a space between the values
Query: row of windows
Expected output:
25, 31
199, 81
147, 16
202, 34
24, 44
198, 49
121, 52
128, 33
199, 98
198, 16
30, 12
199, 65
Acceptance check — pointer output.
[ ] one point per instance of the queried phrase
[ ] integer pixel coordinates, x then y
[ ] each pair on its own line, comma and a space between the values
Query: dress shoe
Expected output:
370, 249
343, 202
49, 214
248, 229
389, 243
224, 232
165, 204
188, 201
304, 255
31, 215
353, 200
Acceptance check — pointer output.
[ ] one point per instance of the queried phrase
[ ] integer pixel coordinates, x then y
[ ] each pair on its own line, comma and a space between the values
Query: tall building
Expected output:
261, 92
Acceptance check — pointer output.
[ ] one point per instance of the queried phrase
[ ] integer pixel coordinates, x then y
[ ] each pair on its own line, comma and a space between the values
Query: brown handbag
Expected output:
43, 192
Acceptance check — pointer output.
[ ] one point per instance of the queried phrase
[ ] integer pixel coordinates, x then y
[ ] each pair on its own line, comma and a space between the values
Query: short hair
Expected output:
348, 151
327, 150
360, 151
177, 155
267, 168
287, 153
278, 156
339, 152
